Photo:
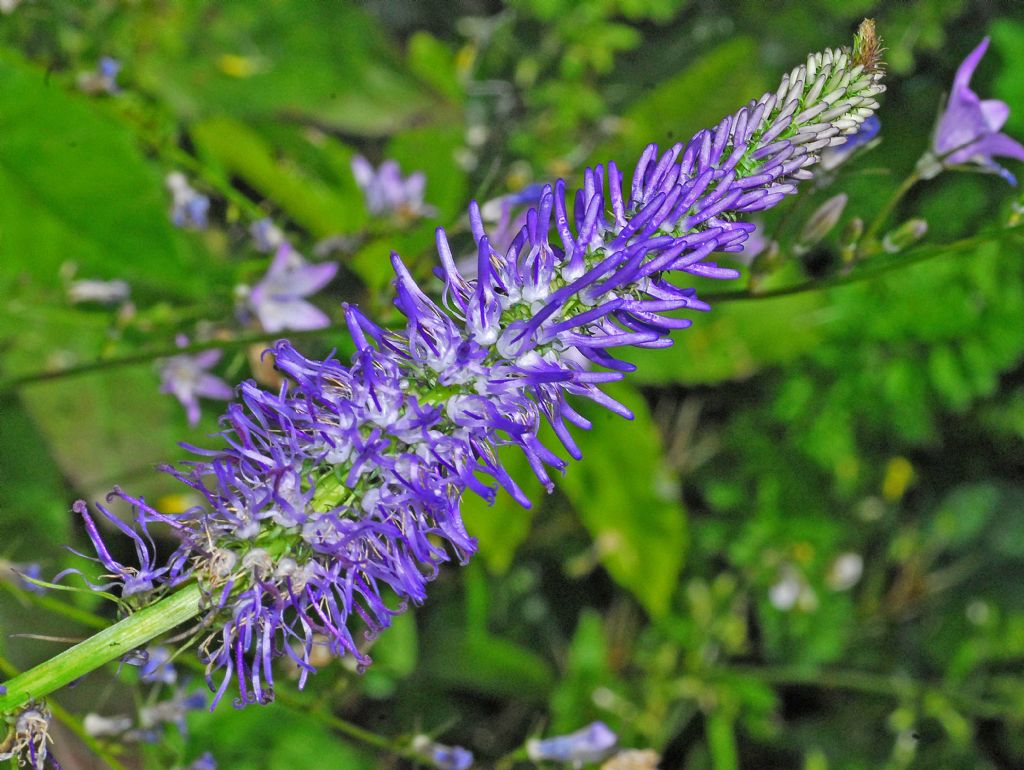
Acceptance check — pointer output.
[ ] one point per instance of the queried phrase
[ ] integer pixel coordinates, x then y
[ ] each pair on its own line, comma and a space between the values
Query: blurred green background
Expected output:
805, 552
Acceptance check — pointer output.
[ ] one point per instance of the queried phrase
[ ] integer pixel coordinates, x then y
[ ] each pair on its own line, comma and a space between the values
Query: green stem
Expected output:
102, 364
890, 686
883, 215
872, 269
108, 645
289, 700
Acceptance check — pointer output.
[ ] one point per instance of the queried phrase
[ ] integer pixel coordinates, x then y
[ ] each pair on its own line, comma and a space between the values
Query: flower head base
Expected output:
968, 131
186, 378
337, 498
387, 193
27, 740
278, 299
591, 744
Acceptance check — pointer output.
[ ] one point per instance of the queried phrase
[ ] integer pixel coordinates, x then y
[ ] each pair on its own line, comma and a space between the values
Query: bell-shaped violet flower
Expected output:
186, 378
968, 129
278, 300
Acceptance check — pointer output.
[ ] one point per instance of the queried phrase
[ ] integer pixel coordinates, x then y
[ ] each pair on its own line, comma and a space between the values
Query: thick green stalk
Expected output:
109, 644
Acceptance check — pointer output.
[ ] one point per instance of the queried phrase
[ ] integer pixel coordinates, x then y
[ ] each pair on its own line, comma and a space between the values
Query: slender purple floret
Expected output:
186, 378
338, 496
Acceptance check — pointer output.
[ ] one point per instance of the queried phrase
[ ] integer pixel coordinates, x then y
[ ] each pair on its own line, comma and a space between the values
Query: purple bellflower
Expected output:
337, 498
186, 378
387, 193
591, 744
968, 131
278, 299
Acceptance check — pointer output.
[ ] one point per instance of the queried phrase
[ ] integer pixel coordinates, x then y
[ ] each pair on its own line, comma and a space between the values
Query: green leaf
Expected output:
696, 98
502, 527
77, 188
628, 500
1008, 40
239, 150
572, 702
329, 63
433, 63
32, 497
272, 737
395, 654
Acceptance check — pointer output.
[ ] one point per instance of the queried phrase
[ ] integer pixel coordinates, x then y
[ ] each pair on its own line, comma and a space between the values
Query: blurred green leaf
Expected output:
433, 63
586, 669
502, 527
715, 85
33, 501
628, 500
239, 150
270, 738
76, 188
1008, 41
328, 63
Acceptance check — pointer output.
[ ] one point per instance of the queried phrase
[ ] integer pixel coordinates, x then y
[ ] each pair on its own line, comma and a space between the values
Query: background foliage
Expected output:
692, 582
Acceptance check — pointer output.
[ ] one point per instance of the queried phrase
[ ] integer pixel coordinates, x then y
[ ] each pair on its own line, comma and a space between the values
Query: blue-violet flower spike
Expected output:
336, 499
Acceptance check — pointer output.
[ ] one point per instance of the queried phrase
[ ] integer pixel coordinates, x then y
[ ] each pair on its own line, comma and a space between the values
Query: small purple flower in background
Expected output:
189, 207
17, 574
102, 292
833, 157
205, 762
278, 300
591, 744
99, 726
443, 757
266, 236
968, 129
157, 666
387, 193
185, 377
102, 80
173, 710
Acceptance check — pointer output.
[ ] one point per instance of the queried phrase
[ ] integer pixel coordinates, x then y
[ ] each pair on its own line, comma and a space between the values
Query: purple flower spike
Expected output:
968, 130
591, 744
185, 377
278, 300
387, 193
336, 498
